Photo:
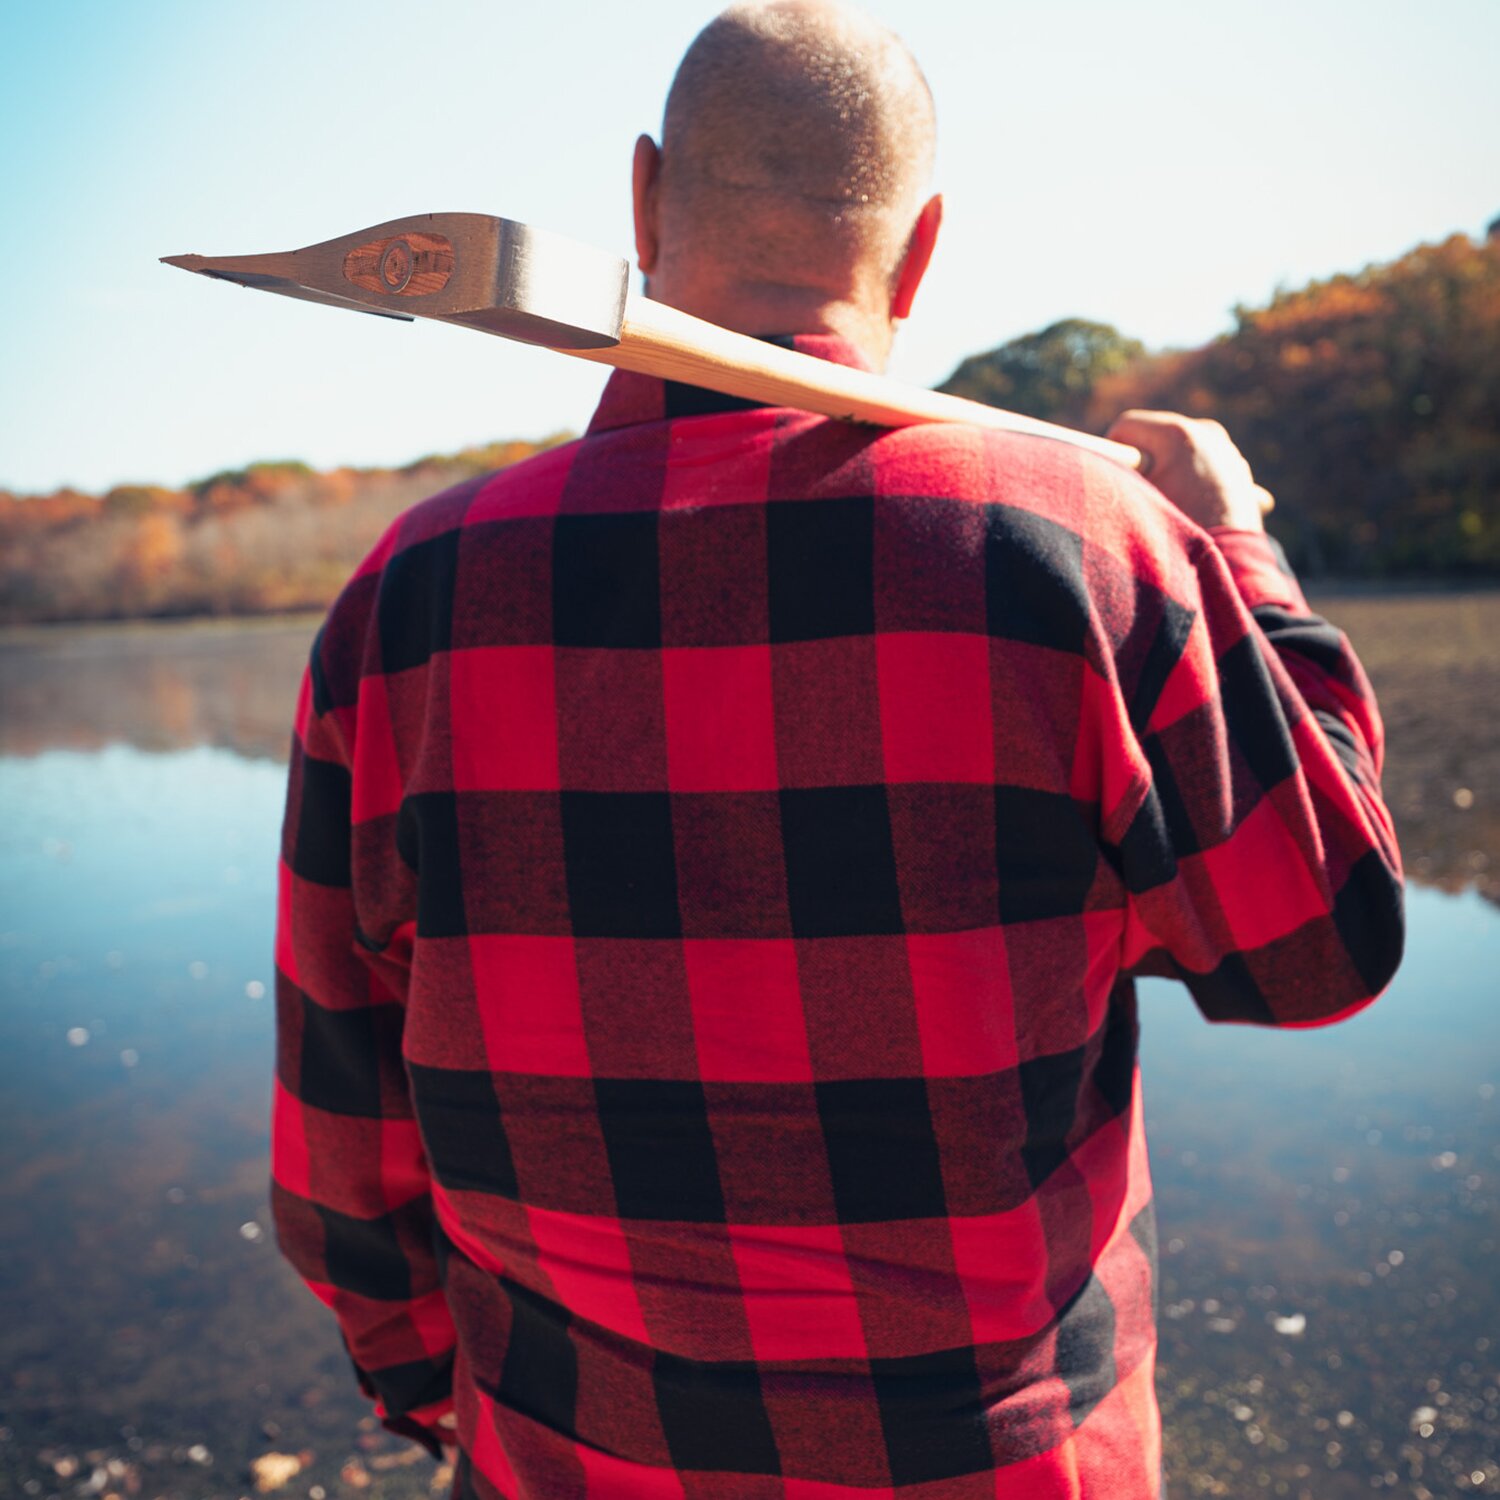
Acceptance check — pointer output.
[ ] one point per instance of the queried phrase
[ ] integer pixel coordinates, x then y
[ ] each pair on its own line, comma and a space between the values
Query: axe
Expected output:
506, 278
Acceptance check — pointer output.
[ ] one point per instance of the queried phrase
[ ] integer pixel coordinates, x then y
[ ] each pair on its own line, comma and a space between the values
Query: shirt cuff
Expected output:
1259, 568
423, 1424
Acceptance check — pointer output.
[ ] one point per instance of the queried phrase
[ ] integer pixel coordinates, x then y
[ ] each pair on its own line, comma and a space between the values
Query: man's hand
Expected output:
1195, 465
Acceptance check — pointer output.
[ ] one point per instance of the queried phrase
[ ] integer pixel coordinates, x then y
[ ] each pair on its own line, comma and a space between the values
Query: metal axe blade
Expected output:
506, 278
493, 274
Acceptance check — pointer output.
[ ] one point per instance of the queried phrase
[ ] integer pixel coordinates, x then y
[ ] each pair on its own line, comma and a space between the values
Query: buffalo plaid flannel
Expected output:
715, 856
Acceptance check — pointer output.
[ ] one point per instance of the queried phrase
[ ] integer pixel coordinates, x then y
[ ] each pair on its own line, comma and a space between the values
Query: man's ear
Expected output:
918, 255
644, 175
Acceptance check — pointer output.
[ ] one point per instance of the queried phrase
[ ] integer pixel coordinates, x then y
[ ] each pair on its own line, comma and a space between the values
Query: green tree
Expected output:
1051, 374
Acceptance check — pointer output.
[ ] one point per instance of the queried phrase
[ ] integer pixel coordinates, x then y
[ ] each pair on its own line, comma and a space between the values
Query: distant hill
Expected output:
1368, 404
272, 537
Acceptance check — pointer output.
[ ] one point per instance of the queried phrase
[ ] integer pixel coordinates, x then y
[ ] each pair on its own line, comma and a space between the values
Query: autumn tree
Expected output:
270, 536
1369, 404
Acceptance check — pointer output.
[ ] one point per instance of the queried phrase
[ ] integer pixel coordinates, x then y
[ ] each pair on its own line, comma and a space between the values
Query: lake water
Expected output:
1328, 1202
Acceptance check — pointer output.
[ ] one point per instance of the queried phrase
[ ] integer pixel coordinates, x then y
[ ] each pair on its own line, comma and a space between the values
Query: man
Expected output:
715, 855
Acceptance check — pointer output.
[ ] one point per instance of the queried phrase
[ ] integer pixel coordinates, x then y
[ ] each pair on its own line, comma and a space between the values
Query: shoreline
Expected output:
29, 632
1432, 654
25, 631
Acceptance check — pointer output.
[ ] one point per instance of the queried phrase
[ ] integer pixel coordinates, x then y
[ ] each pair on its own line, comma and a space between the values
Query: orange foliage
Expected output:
1368, 404
271, 536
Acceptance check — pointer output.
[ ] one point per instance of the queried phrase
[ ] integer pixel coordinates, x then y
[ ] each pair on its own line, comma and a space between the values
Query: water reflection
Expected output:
1434, 658
1327, 1200
158, 687
1330, 1207
1435, 661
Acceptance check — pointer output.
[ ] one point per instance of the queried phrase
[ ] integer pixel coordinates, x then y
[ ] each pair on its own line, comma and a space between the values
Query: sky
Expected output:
1150, 165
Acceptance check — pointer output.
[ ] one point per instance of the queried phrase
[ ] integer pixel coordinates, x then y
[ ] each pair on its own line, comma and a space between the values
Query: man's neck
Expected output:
763, 309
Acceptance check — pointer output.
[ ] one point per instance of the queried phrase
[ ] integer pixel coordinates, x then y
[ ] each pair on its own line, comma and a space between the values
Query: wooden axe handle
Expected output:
659, 340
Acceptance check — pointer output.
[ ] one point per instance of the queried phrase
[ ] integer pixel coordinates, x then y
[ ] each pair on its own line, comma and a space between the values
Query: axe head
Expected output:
487, 273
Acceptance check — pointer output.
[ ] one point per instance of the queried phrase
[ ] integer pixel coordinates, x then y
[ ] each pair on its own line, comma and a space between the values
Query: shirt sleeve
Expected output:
1258, 855
351, 1191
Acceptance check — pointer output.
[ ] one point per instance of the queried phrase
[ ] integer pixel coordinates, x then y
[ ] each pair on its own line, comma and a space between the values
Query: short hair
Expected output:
798, 138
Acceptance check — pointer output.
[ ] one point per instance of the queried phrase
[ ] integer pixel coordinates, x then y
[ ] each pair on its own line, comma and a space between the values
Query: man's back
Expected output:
749, 820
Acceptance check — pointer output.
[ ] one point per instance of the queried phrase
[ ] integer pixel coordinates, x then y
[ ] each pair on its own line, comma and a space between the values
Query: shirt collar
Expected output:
630, 398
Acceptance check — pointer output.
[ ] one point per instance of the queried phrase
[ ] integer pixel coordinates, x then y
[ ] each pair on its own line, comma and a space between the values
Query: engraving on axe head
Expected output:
496, 275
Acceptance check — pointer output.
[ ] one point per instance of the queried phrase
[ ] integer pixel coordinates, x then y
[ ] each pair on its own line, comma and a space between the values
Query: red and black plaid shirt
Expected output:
714, 858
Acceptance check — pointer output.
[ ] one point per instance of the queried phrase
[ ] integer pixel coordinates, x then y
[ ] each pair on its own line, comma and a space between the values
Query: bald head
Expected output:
796, 151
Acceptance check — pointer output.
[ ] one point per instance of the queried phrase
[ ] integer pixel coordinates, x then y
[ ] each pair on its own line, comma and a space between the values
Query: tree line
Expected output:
272, 537
1367, 403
